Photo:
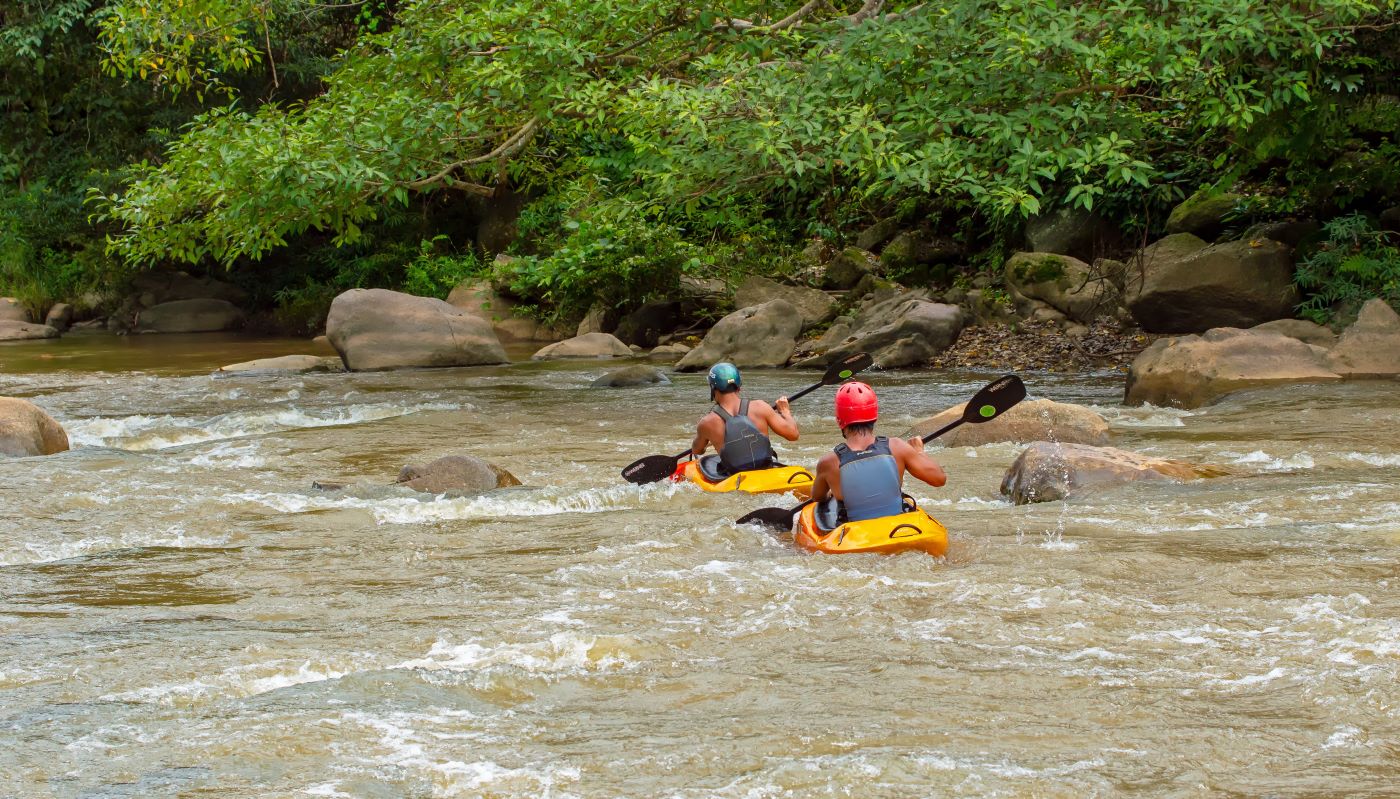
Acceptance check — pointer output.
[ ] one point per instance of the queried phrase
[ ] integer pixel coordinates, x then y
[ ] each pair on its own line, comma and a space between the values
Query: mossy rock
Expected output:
1203, 213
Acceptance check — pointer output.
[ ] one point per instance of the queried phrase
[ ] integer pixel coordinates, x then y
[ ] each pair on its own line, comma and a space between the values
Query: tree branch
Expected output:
511, 146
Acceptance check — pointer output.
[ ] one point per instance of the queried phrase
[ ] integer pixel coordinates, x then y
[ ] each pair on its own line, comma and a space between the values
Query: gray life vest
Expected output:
745, 448
870, 485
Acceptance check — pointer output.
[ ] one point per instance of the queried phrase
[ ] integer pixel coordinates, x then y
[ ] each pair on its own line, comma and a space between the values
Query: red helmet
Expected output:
855, 403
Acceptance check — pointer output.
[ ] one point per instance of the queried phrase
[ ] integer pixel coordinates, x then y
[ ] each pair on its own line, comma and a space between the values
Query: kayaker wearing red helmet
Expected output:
867, 472
738, 428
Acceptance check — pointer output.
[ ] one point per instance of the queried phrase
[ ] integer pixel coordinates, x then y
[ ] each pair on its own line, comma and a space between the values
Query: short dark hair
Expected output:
859, 428
729, 389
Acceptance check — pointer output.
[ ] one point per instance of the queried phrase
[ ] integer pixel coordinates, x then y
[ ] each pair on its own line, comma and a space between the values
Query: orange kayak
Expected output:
914, 530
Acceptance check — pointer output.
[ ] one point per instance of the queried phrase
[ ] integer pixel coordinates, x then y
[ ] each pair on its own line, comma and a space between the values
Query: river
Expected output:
182, 614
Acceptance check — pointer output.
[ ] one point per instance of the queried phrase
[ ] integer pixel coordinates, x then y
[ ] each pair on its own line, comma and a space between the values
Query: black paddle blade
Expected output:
847, 368
994, 399
777, 518
651, 469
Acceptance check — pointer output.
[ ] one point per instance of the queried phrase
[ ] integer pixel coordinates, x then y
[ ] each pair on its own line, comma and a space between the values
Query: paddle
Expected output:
654, 468
992, 401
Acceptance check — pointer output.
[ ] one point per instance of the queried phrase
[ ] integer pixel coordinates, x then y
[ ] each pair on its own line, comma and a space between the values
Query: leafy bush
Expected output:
1354, 264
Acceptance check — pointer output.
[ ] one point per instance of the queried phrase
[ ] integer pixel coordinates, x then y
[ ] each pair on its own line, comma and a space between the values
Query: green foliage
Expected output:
1355, 263
435, 275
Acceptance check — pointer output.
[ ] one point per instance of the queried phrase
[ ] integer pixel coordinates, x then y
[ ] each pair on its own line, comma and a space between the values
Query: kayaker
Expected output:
738, 428
866, 473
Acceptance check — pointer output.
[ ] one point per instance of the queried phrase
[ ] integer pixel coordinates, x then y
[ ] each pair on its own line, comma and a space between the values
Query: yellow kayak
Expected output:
818, 530
778, 480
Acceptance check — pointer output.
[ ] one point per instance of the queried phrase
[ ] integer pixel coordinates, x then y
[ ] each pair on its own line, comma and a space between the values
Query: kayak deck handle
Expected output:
895, 533
803, 475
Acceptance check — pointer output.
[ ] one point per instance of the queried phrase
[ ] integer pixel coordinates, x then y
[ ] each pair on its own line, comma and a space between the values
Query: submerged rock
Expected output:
1047, 472
456, 473
292, 364
26, 430
762, 335
376, 329
589, 345
1031, 420
630, 376
1190, 371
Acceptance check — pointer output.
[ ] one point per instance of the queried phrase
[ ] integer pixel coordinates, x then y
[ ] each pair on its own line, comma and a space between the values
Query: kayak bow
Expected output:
913, 530
777, 480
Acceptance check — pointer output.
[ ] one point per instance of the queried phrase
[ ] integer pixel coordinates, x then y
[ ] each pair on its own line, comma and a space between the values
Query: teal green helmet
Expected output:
724, 378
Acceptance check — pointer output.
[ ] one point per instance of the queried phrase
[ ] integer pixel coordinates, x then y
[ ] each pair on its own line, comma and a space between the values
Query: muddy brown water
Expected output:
181, 614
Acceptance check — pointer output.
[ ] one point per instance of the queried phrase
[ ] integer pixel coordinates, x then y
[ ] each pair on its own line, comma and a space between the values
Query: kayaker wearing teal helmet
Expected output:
738, 428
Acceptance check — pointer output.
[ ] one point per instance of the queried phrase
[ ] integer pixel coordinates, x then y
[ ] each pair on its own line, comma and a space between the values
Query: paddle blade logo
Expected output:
987, 411
846, 374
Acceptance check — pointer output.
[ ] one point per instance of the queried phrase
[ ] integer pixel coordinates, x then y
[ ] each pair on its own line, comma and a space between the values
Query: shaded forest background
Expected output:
299, 148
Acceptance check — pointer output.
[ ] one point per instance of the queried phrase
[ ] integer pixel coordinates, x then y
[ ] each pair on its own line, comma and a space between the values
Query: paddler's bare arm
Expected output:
916, 462
826, 467
780, 420
702, 436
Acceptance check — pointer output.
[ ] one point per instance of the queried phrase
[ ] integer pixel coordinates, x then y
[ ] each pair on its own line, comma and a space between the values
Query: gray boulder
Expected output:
1203, 214
26, 430
847, 268
670, 353
879, 233
761, 335
1047, 472
910, 249
1066, 284
1301, 329
899, 331
814, 305
1180, 285
478, 298
589, 345
1191, 371
1070, 231
1032, 420
189, 316
1370, 347
59, 317
11, 330
12, 311
376, 329
456, 474
631, 376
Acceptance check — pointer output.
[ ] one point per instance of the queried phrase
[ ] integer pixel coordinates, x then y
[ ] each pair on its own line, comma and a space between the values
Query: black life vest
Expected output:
745, 448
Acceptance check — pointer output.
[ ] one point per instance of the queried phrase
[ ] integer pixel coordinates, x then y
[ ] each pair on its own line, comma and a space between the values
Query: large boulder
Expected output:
59, 317
12, 311
1180, 285
1370, 347
1203, 213
157, 287
1032, 420
912, 249
1301, 329
847, 268
646, 325
1047, 472
903, 330
814, 305
477, 297
11, 330
380, 329
878, 233
1071, 231
632, 376
1066, 284
761, 335
26, 430
589, 345
190, 316
456, 474
1191, 371
290, 364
